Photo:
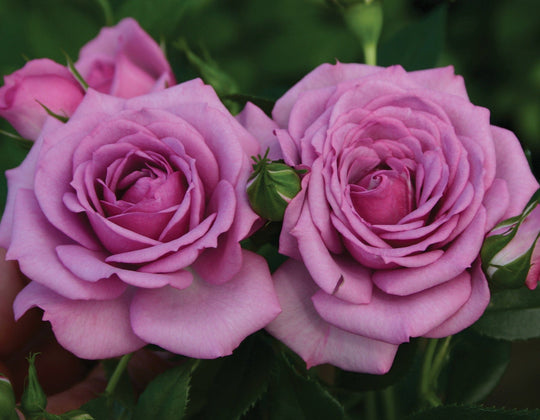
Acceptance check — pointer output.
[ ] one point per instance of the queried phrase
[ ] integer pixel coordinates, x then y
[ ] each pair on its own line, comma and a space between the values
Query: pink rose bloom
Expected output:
405, 179
124, 61
38, 81
128, 218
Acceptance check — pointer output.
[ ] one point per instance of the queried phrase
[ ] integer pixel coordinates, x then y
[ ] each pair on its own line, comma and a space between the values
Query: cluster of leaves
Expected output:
262, 379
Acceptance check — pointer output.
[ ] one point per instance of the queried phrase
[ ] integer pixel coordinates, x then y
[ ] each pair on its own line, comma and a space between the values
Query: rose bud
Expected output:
7, 400
124, 61
40, 83
33, 400
271, 186
510, 254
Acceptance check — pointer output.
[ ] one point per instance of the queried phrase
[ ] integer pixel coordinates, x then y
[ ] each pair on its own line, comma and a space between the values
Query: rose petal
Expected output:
254, 120
205, 320
470, 311
91, 266
512, 166
394, 319
457, 258
34, 244
303, 330
83, 327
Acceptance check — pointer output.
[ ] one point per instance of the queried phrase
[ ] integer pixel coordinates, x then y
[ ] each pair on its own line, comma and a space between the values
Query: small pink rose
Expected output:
406, 176
39, 81
124, 61
128, 220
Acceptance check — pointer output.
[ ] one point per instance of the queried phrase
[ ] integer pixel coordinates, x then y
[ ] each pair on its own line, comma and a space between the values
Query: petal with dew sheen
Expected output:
316, 341
206, 320
83, 327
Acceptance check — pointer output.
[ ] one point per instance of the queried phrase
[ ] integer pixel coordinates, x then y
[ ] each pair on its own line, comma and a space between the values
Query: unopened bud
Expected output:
33, 400
7, 400
271, 187
510, 255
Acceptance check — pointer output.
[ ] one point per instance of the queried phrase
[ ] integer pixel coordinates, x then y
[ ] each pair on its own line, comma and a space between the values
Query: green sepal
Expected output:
210, 72
27, 144
33, 400
271, 186
513, 274
365, 20
59, 117
7, 400
75, 72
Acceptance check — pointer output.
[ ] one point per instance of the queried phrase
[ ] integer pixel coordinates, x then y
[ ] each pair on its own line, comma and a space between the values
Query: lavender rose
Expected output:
405, 179
124, 61
128, 218
39, 82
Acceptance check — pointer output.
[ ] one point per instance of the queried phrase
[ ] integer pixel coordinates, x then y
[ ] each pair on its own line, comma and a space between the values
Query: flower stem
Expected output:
370, 406
389, 400
118, 371
370, 53
438, 362
434, 359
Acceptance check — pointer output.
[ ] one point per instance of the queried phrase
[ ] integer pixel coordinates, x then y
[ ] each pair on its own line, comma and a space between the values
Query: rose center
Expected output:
383, 197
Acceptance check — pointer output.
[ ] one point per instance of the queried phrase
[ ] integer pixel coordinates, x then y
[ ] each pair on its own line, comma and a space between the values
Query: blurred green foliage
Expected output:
266, 46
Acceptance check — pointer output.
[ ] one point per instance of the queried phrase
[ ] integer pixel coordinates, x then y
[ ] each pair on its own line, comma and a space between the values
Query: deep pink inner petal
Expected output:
383, 197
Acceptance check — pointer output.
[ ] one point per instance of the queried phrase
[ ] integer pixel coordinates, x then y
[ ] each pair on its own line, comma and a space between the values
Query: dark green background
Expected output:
266, 46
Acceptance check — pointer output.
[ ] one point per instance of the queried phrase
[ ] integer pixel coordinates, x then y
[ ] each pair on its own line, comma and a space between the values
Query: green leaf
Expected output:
208, 69
473, 413
486, 357
117, 404
296, 396
418, 45
511, 325
7, 400
166, 397
107, 408
239, 381
511, 315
